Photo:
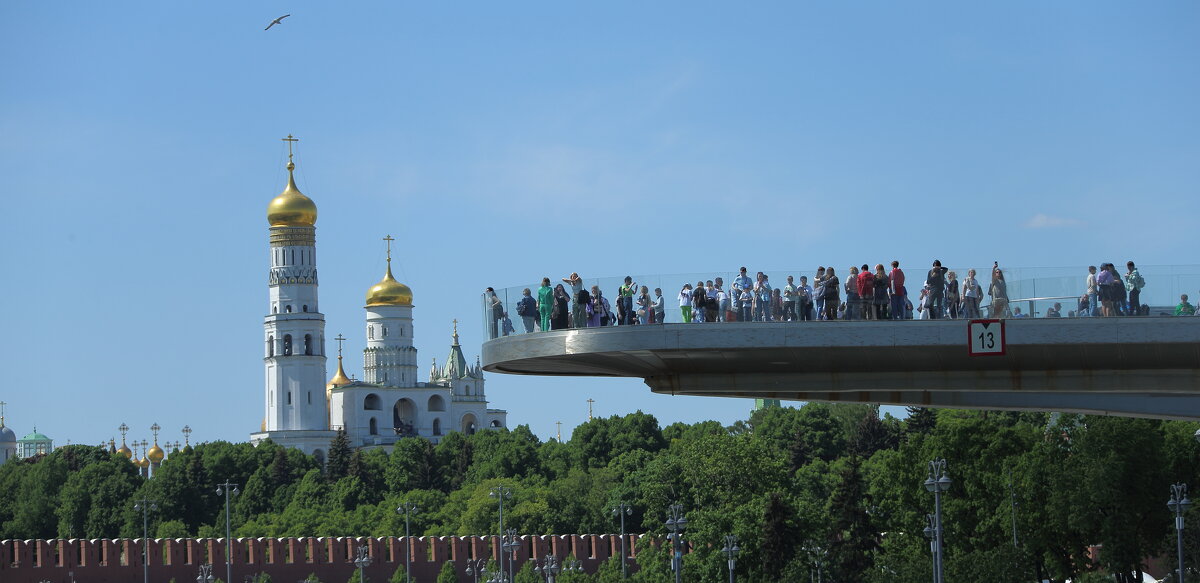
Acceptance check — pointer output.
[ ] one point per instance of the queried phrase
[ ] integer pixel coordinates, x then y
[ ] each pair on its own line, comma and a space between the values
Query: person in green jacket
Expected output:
545, 302
1184, 308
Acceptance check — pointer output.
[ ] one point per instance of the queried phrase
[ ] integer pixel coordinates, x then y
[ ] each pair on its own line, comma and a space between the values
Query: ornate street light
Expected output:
145, 506
477, 568
622, 510
205, 575
937, 481
676, 522
931, 534
407, 508
731, 551
500, 493
510, 547
228, 488
362, 560
549, 567
1179, 504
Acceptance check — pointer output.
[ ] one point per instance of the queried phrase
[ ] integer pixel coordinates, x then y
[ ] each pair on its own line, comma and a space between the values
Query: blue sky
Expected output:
500, 142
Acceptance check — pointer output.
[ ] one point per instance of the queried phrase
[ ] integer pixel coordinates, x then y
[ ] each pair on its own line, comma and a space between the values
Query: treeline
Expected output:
829, 487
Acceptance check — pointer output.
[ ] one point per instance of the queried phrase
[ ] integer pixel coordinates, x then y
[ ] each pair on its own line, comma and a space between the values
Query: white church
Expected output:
302, 409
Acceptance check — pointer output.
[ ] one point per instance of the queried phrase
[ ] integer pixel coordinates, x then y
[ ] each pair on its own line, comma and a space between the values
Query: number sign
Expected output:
985, 338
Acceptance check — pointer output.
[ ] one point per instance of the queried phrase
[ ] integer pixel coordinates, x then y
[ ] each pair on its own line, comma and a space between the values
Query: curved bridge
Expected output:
1144, 367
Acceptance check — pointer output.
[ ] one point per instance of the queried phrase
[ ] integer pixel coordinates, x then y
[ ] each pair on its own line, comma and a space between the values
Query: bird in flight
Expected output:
277, 21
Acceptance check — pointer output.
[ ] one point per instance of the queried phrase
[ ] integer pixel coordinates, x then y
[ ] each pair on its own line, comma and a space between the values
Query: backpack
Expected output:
521, 307
1139, 282
583, 298
699, 297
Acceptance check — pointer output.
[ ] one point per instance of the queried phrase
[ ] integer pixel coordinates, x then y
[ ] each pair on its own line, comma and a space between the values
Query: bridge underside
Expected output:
1123, 366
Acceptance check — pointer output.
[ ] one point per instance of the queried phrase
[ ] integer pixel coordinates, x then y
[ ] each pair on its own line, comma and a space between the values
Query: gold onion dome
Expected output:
143, 463
125, 451
389, 292
291, 208
156, 454
340, 378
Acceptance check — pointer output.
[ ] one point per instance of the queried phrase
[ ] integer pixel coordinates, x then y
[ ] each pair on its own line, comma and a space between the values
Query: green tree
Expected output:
852, 538
399, 575
448, 574
339, 456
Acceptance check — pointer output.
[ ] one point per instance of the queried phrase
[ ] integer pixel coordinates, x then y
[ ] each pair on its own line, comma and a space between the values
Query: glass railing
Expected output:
1032, 292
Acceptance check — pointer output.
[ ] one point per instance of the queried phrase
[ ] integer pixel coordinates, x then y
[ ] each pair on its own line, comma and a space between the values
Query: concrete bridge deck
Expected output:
1126, 366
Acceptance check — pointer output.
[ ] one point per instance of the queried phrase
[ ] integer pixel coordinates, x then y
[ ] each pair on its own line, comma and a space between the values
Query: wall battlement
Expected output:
285, 559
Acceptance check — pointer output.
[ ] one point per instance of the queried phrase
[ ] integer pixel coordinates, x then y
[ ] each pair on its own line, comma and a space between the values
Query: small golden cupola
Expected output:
155, 454
389, 292
291, 208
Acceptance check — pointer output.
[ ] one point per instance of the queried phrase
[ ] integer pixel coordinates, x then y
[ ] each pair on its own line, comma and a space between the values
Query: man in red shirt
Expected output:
897, 292
866, 292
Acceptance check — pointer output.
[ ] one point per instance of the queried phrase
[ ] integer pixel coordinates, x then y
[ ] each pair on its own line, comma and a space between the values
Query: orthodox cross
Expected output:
455, 322
155, 429
2, 404
559, 424
289, 140
123, 429
186, 432
389, 240
590, 401
340, 339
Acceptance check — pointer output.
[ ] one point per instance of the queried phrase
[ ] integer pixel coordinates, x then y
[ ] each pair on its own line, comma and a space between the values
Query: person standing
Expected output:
935, 283
866, 292
660, 310
545, 303
762, 299
699, 302
746, 301
1092, 290
527, 310
832, 294
625, 297
804, 302
953, 304
1134, 284
685, 303
819, 292
898, 292
645, 306
789, 300
970, 293
880, 291
579, 305
594, 308
852, 303
496, 310
999, 293
559, 318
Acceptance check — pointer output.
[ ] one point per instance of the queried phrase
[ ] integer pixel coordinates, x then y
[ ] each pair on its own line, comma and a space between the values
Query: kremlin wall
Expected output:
284, 559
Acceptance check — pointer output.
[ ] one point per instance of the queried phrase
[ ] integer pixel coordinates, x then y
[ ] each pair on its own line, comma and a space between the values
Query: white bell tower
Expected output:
294, 328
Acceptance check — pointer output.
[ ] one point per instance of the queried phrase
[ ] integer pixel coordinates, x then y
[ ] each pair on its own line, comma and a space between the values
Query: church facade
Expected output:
302, 409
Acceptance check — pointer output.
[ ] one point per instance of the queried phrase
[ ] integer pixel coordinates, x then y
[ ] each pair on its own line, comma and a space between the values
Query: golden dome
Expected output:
291, 208
339, 378
389, 292
156, 454
125, 451
143, 463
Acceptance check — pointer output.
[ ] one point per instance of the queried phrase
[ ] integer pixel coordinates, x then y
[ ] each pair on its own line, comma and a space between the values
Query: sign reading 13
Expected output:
985, 338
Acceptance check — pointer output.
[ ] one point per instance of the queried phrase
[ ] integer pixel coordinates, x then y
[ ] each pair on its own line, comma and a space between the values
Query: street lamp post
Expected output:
205, 575
676, 522
549, 567
407, 508
937, 481
510, 547
931, 533
1179, 504
500, 493
475, 568
362, 560
145, 506
228, 487
731, 551
622, 510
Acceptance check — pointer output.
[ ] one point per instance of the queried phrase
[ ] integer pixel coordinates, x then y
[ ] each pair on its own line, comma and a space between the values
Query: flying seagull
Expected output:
277, 21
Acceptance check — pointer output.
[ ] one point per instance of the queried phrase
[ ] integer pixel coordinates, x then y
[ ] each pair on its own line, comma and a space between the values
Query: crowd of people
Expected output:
864, 294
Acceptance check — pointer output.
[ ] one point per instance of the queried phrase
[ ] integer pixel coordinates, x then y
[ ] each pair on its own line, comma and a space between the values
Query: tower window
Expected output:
308, 344
288, 309
384, 329
271, 345
371, 332
305, 308
274, 308
310, 397
287, 347
289, 397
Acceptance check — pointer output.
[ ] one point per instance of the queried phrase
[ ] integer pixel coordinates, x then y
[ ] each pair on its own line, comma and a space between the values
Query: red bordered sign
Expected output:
985, 338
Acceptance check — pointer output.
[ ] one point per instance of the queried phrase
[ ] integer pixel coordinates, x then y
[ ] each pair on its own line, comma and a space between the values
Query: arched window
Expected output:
308, 344
372, 403
437, 426
271, 345
274, 308
287, 344
495, 423
468, 389
305, 308
437, 403
374, 430
288, 309
289, 397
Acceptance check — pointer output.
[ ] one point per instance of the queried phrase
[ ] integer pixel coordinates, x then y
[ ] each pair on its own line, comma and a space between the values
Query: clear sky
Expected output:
500, 142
